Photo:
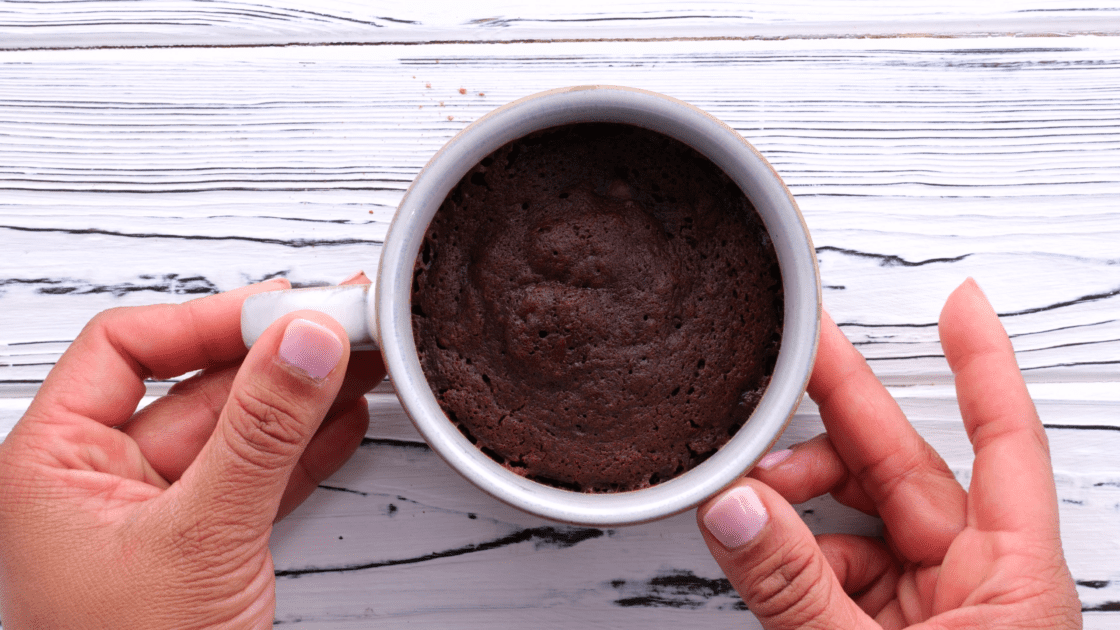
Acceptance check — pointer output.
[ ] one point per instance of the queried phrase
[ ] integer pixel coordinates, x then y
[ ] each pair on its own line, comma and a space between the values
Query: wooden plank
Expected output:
96, 23
916, 163
665, 567
396, 520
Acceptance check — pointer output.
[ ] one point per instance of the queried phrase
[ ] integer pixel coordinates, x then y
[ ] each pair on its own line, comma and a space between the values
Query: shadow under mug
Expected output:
379, 316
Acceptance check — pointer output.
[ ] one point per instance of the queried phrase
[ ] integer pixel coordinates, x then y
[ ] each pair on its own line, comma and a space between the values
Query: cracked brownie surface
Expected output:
597, 307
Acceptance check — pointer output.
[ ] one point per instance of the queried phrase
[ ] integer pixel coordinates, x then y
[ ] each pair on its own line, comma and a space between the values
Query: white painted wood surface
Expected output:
164, 150
98, 23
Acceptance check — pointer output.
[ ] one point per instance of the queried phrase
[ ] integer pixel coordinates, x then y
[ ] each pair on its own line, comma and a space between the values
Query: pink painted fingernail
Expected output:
355, 276
773, 459
311, 348
737, 517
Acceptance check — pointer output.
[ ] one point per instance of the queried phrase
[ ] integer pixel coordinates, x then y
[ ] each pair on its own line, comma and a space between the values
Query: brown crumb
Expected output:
441, 103
462, 90
414, 76
507, 262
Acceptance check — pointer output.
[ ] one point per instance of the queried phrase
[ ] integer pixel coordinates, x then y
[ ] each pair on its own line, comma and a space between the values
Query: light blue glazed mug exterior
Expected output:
379, 316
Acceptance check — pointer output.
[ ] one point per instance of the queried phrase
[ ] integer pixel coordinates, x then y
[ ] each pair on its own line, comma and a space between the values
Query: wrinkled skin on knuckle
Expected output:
786, 591
197, 540
211, 553
205, 574
270, 429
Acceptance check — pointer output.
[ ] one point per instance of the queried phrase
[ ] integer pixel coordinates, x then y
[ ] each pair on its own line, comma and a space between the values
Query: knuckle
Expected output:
105, 321
197, 538
898, 468
100, 324
102, 318
270, 429
902, 467
791, 590
209, 552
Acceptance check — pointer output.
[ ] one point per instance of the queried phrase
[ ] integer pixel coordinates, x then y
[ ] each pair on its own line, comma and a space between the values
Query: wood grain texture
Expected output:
97, 23
916, 163
132, 177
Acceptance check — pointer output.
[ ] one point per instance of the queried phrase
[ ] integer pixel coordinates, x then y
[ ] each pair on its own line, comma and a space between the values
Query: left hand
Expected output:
161, 518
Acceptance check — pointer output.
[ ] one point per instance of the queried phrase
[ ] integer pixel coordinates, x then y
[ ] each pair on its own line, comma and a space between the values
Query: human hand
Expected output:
161, 518
990, 557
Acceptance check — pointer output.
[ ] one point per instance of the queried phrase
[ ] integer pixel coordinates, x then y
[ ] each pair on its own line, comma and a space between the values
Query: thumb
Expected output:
774, 562
284, 388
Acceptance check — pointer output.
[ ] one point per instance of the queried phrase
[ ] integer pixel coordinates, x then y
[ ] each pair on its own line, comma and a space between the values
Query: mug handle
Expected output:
351, 305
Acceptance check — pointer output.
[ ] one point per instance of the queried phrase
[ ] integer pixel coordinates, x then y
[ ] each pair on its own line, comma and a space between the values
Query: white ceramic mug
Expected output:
378, 316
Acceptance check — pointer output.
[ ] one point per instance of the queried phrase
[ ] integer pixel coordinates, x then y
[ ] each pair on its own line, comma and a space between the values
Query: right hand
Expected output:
990, 557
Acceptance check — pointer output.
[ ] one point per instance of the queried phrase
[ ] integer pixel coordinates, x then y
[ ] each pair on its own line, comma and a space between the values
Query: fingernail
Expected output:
309, 347
737, 517
355, 276
773, 459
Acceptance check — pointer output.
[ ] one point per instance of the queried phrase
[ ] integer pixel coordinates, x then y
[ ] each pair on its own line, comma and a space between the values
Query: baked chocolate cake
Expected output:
597, 307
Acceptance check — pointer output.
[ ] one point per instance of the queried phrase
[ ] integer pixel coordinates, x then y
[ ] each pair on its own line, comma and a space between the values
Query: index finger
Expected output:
1012, 484
101, 376
916, 494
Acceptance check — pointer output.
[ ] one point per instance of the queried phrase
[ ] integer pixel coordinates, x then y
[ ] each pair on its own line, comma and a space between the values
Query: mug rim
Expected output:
734, 156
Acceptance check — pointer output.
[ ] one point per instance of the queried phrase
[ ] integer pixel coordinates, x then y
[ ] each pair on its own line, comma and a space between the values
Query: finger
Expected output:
810, 470
173, 429
365, 370
918, 498
282, 392
773, 561
331, 447
358, 277
865, 568
1012, 484
101, 376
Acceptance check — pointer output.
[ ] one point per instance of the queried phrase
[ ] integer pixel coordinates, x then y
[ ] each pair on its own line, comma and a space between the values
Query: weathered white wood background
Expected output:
164, 150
